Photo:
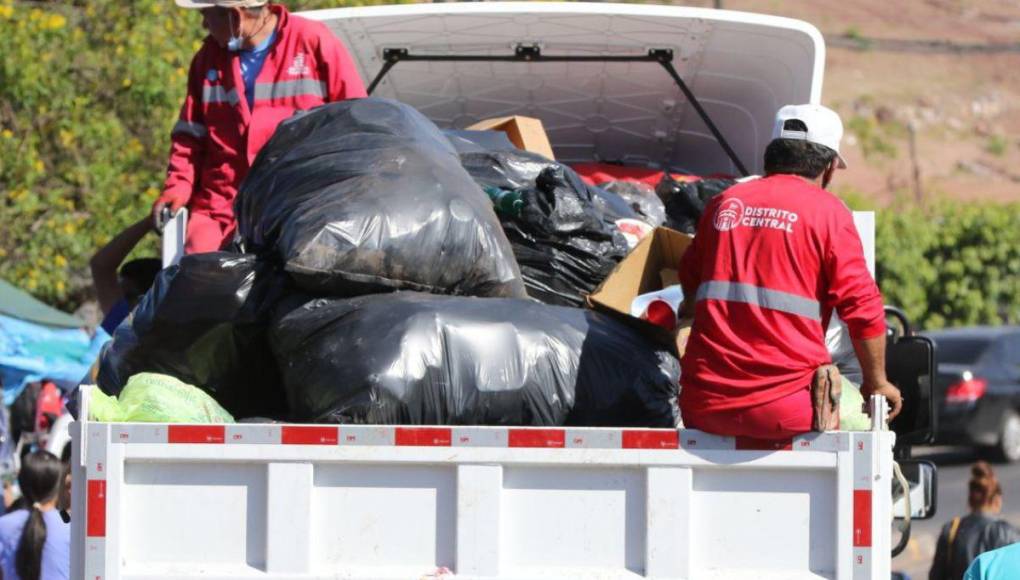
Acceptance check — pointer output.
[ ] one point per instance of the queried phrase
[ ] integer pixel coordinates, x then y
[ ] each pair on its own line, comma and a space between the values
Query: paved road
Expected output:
954, 473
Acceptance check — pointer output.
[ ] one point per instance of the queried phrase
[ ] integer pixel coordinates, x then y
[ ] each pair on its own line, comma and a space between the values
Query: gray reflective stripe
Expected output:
281, 90
196, 130
217, 94
763, 297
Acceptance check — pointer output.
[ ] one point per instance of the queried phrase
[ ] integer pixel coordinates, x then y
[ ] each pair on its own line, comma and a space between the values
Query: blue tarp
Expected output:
31, 352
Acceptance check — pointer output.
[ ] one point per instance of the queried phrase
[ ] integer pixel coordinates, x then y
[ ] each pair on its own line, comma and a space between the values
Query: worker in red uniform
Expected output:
257, 67
771, 260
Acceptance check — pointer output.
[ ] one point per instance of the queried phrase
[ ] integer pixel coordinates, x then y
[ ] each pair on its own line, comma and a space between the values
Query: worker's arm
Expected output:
690, 267
871, 354
187, 147
337, 68
107, 260
852, 292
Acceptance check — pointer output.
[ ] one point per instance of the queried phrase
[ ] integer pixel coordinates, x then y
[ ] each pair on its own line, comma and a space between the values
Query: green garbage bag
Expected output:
155, 398
851, 409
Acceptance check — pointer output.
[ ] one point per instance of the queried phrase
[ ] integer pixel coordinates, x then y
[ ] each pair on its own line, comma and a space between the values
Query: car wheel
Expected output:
1008, 449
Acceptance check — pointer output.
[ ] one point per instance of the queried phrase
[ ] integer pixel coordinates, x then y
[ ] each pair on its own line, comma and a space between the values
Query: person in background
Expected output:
258, 66
35, 543
772, 260
965, 538
120, 287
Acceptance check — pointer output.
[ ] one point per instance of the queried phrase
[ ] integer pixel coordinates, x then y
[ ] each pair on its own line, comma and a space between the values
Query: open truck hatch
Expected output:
741, 67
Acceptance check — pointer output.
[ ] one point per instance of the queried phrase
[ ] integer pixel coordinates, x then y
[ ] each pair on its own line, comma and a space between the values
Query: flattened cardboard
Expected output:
525, 133
644, 270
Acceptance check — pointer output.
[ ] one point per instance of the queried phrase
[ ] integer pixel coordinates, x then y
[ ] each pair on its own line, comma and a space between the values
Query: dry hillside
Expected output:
948, 68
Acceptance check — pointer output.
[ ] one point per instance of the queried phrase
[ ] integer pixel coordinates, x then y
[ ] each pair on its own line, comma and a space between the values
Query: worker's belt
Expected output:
761, 297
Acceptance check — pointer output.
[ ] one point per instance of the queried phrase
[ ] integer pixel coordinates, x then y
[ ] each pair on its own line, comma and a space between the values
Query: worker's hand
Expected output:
171, 202
887, 390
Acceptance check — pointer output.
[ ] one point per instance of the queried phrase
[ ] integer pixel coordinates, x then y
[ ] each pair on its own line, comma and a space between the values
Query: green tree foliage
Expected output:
951, 264
88, 94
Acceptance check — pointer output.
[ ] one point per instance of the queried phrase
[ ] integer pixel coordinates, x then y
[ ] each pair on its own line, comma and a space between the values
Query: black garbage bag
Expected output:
204, 322
564, 243
642, 199
422, 359
368, 195
686, 201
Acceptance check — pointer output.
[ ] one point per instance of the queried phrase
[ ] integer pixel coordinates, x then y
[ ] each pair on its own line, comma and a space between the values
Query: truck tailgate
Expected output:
257, 501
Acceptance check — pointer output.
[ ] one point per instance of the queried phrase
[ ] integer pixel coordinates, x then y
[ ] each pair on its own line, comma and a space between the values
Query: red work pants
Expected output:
779, 419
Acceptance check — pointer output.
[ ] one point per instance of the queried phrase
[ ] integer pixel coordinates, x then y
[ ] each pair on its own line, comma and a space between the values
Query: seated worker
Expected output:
771, 261
119, 292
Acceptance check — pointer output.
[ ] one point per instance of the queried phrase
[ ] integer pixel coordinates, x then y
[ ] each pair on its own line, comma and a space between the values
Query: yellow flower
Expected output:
66, 138
126, 83
70, 229
151, 192
32, 284
6, 11
7, 134
60, 286
39, 165
156, 8
119, 50
59, 261
55, 22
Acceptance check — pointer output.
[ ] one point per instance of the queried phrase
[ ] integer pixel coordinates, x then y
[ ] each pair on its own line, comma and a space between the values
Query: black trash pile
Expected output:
685, 201
380, 288
563, 232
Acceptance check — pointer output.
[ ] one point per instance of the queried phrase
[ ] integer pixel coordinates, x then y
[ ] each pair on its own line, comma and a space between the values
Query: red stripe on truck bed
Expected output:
423, 436
536, 437
651, 439
95, 508
862, 518
752, 444
210, 434
296, 435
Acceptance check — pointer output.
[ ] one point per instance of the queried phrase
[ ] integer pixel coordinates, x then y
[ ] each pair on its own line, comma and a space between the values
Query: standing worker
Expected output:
257, 67
771, 261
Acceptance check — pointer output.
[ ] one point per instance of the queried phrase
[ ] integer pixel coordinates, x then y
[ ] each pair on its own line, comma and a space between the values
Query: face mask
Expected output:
236, 42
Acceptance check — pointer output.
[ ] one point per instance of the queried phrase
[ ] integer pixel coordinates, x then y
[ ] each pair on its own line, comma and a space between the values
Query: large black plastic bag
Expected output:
204, 321
685, 201
412, 358
368, 195
642, 199
564, 243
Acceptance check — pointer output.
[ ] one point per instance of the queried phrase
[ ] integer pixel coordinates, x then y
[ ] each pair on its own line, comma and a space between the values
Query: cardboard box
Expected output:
525, 133
651, 266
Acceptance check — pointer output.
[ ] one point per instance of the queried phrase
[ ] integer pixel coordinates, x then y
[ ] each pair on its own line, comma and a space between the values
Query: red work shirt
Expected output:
217, 137
771, 260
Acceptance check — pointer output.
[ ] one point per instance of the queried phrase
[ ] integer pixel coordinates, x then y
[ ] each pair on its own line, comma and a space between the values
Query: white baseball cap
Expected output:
824, 127
221, 3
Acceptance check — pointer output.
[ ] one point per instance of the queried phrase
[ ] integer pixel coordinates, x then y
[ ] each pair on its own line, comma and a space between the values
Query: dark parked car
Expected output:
977, 388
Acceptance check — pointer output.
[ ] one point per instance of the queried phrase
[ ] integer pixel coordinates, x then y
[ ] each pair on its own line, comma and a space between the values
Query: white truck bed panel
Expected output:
304, 502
